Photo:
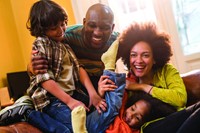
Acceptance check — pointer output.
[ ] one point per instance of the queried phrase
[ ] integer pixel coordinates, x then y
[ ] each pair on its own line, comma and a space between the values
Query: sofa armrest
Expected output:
192, 84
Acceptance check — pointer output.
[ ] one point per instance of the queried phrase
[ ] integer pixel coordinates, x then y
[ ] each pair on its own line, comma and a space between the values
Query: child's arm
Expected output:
52, 87
95, 99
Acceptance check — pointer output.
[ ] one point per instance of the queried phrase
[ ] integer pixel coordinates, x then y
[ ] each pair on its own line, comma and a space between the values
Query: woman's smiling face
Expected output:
141, 59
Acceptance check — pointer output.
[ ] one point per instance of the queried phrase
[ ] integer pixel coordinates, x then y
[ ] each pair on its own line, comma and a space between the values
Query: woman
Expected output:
146, 52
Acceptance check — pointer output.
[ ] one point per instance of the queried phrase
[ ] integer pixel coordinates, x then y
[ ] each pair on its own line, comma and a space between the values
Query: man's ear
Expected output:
84, 20
113, 26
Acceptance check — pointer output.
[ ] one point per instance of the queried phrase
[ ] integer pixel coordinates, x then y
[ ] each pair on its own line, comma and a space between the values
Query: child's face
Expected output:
134, 115
57, 32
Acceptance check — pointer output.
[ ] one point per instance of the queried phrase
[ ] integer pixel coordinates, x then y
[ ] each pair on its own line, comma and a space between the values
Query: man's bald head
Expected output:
102, 10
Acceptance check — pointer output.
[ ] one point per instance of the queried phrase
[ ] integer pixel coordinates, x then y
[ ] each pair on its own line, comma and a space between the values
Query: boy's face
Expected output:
57, 32
134, 115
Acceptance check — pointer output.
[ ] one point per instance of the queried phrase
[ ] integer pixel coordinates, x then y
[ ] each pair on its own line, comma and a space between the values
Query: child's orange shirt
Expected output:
119, 125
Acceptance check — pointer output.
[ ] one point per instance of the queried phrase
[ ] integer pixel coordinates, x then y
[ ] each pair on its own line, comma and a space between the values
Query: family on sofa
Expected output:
143, 48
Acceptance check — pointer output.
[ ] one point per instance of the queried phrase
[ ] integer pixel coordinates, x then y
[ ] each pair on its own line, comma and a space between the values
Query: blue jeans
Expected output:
184, 121
56, 117
98, 123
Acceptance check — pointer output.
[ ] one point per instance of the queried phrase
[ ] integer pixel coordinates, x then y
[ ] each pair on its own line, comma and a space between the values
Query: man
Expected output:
88, 41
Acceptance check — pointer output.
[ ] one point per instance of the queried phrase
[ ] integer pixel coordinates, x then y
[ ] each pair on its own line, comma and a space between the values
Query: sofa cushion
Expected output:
20, 127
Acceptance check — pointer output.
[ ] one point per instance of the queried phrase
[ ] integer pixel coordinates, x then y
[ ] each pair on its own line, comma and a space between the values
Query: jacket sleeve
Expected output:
170, 88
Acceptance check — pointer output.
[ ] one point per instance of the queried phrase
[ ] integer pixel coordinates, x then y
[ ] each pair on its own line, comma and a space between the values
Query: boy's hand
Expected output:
99, 103
75, 103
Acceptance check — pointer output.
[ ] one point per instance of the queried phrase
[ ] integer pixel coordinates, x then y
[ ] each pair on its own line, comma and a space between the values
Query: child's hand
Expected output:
75, 103
98, 103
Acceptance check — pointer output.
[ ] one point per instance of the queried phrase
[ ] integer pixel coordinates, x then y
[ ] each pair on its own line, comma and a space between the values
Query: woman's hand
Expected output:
105, 84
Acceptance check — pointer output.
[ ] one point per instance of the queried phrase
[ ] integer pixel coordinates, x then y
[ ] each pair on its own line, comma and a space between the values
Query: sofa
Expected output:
190, 79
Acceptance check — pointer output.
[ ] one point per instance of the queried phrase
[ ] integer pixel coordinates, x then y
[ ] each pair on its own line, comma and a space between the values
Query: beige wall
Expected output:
15, 45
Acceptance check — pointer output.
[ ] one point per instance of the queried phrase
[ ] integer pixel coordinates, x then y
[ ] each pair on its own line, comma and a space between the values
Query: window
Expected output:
179, 18
187, 16
127, 11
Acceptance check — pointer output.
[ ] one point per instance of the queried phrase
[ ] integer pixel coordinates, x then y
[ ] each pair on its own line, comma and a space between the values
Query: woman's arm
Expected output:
168, 87
173, 90
136, 86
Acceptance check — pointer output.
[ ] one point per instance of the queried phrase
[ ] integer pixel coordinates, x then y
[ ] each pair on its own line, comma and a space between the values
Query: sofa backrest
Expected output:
192, 84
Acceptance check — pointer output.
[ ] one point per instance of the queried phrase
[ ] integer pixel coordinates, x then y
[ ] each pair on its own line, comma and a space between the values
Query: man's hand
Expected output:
38, 65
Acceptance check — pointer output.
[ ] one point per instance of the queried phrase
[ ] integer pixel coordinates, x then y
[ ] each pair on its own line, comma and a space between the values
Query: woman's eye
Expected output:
132, 55
146, 55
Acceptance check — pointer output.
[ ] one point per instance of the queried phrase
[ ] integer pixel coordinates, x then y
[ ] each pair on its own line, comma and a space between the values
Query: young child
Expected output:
48, 23
136, 110
56, 93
